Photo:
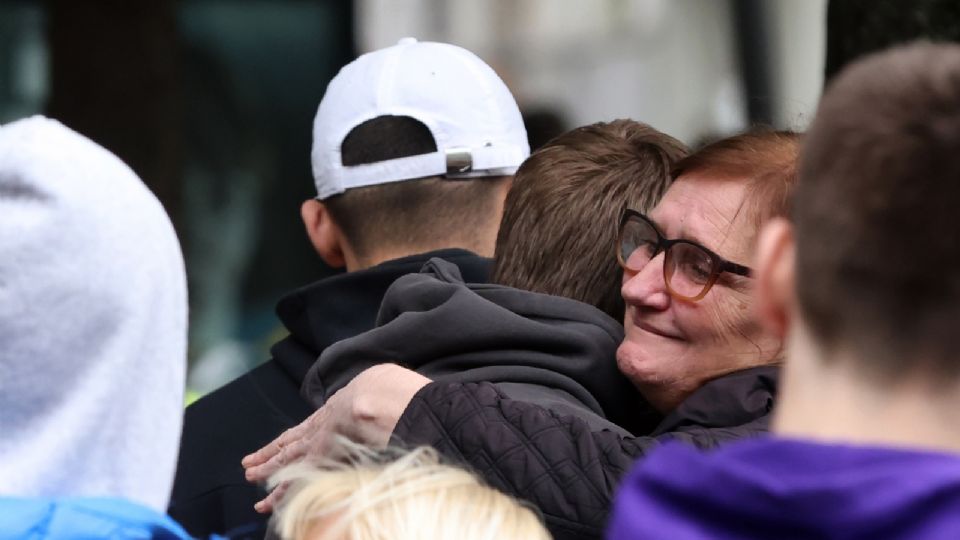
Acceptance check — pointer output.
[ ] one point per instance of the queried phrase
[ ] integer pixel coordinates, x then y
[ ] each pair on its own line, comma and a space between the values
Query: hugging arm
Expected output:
568, 471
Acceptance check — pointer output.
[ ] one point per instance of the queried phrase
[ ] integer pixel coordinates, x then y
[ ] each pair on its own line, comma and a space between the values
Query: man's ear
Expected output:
776, 300
323, 233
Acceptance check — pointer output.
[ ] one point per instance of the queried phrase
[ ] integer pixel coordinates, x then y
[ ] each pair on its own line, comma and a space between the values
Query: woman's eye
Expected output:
698, 270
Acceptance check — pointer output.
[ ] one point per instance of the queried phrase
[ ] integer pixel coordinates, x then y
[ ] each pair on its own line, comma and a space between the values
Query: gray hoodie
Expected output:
556, 352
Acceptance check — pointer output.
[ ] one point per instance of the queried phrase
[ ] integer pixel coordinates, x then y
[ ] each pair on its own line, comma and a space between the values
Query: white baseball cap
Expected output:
467, 108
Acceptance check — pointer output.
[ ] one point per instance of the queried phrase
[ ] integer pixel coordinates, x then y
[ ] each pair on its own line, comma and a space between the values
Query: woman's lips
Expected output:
646, 327
641, 320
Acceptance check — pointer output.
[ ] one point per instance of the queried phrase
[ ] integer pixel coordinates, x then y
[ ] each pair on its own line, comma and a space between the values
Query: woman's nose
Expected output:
647, 287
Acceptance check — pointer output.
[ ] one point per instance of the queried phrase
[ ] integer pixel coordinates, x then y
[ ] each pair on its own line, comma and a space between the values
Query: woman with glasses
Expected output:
693, 348
686, 282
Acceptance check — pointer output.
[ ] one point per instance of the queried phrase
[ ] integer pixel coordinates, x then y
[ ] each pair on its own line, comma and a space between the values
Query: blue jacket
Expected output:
785, 488
83, 517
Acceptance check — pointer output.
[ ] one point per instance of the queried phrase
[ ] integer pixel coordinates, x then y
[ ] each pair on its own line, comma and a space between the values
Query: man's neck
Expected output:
832, 400
354, 263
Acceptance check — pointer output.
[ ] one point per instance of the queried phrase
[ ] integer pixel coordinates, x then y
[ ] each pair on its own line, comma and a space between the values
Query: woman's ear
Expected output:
323, 233
776, 299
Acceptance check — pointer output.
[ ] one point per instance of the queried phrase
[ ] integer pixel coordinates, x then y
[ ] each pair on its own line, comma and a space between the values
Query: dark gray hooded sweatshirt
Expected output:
548, 350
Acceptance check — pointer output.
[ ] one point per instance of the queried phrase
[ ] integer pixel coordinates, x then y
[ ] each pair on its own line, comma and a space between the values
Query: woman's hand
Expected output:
366, 410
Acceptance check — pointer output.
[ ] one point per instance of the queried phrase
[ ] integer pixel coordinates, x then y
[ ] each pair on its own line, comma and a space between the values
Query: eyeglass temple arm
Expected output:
735, 268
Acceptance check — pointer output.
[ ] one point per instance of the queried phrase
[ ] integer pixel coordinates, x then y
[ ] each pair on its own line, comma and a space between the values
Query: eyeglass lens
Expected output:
687, 268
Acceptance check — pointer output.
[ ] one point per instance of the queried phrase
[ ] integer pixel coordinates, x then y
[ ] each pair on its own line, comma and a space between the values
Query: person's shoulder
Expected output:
252, 406
223, 426
210, 493
236, 393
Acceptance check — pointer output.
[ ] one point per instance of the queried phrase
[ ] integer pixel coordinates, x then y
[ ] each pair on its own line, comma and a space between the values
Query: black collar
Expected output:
344, 305
730, 400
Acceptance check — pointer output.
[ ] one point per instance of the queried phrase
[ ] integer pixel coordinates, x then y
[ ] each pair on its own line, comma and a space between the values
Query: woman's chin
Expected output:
644, 364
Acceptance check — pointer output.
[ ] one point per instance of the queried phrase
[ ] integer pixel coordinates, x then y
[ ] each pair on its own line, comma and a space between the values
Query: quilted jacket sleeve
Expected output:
556, 462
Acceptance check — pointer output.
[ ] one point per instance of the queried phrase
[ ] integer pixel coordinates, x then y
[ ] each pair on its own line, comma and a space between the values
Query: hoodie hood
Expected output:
93, 319
438, 325
785, 488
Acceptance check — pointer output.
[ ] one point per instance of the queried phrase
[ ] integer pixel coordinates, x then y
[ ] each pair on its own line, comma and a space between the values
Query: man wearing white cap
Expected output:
413, 149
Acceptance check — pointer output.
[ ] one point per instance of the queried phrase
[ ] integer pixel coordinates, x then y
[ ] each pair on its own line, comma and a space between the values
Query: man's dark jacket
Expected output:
555, 352
559, 463
210, 494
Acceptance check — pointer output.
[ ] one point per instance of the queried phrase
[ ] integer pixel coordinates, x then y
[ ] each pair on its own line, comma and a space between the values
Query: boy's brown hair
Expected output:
559, 228
877, 223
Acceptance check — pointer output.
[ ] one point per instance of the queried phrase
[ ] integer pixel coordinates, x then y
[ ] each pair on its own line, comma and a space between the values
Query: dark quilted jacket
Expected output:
557, 462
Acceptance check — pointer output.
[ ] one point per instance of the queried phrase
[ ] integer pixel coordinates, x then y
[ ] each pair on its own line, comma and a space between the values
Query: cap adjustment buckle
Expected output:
459, 160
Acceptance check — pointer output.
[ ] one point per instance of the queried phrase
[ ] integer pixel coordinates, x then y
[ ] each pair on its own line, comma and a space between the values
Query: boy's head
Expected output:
558, 233
876, 225
413, 147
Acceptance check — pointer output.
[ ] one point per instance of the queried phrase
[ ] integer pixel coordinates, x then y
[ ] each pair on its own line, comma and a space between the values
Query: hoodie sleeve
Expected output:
556, 462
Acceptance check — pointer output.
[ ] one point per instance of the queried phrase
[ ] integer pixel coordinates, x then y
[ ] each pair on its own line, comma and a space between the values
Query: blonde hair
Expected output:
397, 496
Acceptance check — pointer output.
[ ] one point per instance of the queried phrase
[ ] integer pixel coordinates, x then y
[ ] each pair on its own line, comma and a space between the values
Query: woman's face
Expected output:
672, 346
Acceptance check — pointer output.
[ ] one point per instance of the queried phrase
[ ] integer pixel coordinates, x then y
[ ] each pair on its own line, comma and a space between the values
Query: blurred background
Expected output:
212, 101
